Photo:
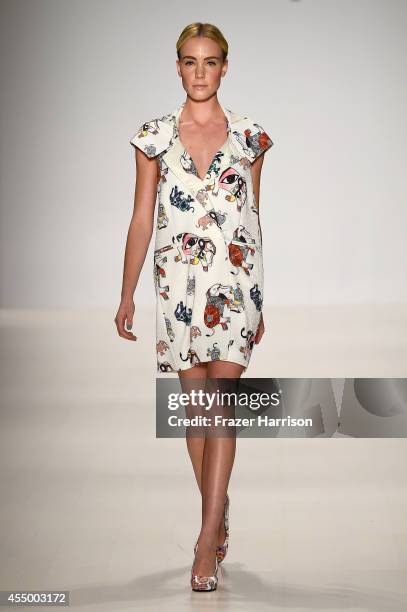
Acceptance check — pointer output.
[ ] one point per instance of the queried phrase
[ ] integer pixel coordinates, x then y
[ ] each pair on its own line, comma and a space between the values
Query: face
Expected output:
201, 67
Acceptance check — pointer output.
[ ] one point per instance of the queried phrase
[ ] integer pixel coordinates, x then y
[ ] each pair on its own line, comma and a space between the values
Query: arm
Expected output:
256, 175
138, 238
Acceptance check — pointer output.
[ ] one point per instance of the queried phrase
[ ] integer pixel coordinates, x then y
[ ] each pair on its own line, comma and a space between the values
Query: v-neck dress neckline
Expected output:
220, 150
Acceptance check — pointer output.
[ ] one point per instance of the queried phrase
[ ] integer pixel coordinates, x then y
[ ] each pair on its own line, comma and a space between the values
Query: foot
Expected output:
205, 558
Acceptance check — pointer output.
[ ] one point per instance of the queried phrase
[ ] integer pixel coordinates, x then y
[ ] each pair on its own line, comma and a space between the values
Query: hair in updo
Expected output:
203, 29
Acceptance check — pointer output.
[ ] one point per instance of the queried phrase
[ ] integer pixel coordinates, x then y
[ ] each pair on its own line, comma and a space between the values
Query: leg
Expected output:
218, 459
194, 378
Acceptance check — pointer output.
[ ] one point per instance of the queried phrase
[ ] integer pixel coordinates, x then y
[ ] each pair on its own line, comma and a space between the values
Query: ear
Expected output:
178, 65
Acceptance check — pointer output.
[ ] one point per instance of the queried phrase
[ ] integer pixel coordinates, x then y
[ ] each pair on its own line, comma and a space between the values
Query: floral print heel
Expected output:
204, 583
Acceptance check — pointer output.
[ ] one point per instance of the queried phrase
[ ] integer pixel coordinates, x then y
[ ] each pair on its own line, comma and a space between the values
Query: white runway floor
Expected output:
93, 503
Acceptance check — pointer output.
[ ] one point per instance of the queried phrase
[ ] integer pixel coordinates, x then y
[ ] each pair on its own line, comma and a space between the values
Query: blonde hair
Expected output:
202, 29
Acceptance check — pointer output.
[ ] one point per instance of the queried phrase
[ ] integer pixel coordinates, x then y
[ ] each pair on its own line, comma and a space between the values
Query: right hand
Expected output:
125, 315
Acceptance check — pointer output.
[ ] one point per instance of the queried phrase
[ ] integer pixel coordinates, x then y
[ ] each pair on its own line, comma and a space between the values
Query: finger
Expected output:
128, 336
120, 322
117, 323
129, 324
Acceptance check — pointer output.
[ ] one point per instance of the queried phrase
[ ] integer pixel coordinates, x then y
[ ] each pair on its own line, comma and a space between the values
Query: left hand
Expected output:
260, 330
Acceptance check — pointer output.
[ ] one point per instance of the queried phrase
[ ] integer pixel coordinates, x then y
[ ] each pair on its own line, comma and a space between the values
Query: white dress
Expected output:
208, 265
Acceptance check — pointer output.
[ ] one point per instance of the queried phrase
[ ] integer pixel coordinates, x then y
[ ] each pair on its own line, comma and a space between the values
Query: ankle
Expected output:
208, 542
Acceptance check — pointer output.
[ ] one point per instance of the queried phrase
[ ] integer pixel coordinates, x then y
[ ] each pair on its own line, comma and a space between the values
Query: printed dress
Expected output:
208, 265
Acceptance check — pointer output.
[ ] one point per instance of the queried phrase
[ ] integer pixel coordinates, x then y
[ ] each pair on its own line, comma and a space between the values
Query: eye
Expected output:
231, 178
212, 62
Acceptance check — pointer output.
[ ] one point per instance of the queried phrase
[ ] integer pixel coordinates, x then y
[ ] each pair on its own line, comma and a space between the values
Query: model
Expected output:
204, 162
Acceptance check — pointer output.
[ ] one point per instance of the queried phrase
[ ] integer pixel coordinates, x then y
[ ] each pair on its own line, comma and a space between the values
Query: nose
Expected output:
200, 71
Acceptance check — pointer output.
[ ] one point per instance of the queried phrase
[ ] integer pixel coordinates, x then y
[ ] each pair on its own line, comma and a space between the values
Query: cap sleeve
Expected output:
153, 137
251, 139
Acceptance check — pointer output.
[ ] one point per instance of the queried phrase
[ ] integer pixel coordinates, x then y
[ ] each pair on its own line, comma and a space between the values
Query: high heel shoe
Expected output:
204, 583
222, 550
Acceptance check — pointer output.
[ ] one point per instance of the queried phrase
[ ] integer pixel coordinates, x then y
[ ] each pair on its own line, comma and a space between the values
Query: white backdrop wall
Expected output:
326, 79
